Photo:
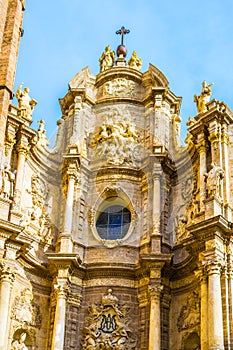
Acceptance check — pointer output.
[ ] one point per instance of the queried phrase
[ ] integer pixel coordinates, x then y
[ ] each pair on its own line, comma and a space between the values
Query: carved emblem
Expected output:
119, 87
117, 140
108, 326
25, 311
190, 313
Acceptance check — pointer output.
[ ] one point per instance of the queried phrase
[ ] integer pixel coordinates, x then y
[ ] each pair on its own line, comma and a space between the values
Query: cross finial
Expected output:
122, 31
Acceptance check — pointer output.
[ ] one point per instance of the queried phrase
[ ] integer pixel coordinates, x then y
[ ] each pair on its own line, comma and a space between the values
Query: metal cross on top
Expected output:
122, 31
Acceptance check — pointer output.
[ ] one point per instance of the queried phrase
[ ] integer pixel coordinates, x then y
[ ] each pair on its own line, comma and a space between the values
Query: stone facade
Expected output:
118, 237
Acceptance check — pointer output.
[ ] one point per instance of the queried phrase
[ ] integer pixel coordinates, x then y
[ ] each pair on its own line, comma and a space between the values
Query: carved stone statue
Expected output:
134, 61
41, 138
203, 98
8, 178
180, 230
25, 103
214, 180
19, 344
107, 59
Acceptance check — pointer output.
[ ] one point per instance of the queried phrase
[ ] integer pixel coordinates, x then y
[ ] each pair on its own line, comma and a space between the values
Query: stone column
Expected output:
202, 172
9, 144
225, 142
156, 211
65, 238
230, 293
154, 330
7, 279
60, 317
69, 204
215, 138
22, 152
215, 317
204, 311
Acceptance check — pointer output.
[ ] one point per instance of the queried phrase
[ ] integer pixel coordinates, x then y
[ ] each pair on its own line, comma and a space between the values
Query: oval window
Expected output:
113, 222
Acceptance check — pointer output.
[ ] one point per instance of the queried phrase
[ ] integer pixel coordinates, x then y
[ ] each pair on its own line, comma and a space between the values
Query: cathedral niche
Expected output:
192, 342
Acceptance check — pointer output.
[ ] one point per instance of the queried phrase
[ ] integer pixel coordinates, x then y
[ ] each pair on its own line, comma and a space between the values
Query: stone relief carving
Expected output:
117, 140
119, 87
39, 192
25, 311
189, 316
108, 326
214, 181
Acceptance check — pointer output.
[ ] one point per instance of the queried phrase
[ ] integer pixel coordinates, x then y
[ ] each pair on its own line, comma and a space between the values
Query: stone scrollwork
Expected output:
189, 316
108, 326
119, 87
117, 140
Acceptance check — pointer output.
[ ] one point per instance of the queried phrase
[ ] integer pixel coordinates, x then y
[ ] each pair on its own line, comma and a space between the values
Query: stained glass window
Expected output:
113, 223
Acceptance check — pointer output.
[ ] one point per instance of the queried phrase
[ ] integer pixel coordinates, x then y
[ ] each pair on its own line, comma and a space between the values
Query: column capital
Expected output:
155, 291
22, 148
7, 274
214, 266
202, 147
61, 290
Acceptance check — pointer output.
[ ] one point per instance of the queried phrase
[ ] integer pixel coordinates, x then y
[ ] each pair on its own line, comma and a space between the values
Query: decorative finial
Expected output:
121, 49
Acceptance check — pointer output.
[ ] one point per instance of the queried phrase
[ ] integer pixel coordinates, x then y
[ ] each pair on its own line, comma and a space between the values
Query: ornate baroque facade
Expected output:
118, 237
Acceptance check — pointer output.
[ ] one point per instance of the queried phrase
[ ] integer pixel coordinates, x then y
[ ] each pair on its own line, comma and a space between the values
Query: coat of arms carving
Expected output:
108, 326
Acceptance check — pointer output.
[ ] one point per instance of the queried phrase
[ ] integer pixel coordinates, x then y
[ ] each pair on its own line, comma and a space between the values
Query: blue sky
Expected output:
189, 41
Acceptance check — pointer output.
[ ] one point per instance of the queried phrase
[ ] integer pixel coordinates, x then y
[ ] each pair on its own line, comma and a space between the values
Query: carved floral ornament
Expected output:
117, 140
107, 326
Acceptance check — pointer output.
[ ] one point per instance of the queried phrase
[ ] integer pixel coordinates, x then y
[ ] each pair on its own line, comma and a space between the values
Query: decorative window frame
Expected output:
98, 207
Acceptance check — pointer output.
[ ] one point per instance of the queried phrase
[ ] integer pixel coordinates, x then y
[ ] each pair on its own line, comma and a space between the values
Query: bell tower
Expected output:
11, 17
